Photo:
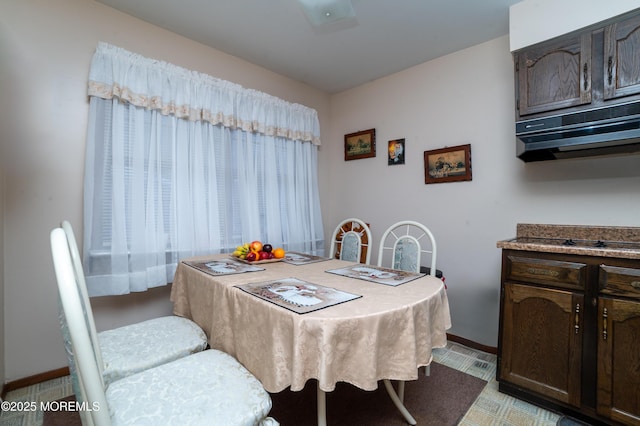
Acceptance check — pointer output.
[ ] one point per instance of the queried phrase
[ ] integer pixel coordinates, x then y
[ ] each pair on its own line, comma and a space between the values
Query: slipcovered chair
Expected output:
403, 245
207, 388
351, 241
136, 347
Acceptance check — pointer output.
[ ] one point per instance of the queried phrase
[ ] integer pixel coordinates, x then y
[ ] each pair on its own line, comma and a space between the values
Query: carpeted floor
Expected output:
440, 399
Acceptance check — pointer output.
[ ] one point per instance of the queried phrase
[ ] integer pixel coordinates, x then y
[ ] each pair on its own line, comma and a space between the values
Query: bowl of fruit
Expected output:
257, 252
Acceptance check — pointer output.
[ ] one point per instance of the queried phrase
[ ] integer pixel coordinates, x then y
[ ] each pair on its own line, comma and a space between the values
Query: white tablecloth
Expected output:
386, 334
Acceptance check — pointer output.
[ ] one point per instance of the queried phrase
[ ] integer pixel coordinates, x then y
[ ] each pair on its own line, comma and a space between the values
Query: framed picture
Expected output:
360, 145
396, 152
451, 164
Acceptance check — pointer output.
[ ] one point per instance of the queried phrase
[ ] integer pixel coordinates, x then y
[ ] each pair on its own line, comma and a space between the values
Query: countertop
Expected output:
548, 238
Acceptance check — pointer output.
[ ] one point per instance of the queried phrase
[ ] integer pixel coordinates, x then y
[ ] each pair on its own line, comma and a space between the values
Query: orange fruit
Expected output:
278, 253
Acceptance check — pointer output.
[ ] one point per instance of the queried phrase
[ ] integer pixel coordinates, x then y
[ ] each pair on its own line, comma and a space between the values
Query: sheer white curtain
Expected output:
181, 164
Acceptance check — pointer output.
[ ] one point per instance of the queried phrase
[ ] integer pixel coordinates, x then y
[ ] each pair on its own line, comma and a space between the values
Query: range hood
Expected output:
612, 130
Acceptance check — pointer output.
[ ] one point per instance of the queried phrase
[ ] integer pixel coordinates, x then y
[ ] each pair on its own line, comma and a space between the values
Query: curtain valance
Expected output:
172, 90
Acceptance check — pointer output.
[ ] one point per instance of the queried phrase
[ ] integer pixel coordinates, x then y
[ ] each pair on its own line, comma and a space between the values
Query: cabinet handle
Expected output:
610, 70
577, 318
585, 72
635, 284
604, 324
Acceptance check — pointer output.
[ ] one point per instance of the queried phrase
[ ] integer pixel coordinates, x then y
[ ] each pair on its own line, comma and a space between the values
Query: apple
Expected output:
256, 246
264, 255
251, 256
267, 248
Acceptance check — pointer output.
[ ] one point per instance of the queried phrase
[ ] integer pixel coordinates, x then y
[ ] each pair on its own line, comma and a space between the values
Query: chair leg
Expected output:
398, 403
322, 407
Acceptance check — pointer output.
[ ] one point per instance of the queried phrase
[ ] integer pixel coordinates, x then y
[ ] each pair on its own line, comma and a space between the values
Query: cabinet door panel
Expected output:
542, 341
621, 59
554, 76
619, 381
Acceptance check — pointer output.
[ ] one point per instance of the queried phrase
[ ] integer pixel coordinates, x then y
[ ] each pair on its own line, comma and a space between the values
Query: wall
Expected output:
2, 190
533, 21
47, 48
5, 103
466, 97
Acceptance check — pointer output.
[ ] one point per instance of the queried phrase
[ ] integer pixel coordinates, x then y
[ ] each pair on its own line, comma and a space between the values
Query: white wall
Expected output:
2, 190
466, 97
533, 21
46, 51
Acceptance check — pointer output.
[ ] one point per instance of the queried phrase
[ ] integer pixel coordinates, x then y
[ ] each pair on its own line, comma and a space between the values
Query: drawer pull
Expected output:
635, 284
540, 271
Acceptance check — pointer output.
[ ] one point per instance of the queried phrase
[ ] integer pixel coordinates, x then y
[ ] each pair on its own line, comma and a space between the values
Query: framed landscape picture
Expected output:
451, 164
360, 145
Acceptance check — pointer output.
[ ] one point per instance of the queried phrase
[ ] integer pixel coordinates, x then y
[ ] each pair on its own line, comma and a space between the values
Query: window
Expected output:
161, 185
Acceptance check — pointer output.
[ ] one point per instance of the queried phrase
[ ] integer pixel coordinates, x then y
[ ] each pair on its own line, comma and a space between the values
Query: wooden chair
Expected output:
136, 347
208, 387
351, 241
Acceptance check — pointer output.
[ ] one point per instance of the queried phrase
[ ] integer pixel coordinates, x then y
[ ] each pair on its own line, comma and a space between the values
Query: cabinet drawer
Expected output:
544, 271
620, 281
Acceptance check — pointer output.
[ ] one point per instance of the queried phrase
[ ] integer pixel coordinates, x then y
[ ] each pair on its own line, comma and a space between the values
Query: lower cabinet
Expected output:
542, 353
569, 336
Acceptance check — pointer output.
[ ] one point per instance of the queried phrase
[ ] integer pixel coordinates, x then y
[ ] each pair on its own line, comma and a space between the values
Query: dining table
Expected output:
373, 332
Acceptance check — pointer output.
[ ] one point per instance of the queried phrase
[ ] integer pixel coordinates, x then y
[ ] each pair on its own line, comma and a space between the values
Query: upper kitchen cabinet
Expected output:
622, 58
594, 67
554, 75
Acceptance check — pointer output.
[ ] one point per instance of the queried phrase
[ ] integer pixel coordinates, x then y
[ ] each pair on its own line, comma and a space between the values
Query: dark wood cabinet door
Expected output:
622, 58
619, 360
542, 341
554, 75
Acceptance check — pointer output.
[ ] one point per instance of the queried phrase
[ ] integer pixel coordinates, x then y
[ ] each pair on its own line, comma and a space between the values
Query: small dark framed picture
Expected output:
360, 145
396, 152
451, 164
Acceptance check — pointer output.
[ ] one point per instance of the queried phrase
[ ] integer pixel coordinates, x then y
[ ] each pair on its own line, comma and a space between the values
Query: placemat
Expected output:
219, 267
297, 295
376, 274
295, 258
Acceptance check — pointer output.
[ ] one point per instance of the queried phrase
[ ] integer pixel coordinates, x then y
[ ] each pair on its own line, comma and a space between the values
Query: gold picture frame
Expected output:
450, 164
360, 145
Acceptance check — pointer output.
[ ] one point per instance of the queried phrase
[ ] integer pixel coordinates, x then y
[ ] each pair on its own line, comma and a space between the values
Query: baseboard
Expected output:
64, 371
34, 380
471, 344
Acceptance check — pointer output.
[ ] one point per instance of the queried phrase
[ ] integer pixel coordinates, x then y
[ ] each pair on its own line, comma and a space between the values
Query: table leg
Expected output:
399, 405
322, 407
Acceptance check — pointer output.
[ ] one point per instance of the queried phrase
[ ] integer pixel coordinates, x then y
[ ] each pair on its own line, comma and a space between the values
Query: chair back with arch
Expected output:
404, 244
351, 241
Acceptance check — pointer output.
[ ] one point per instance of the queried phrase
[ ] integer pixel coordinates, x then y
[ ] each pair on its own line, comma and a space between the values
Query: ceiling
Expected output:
386, 36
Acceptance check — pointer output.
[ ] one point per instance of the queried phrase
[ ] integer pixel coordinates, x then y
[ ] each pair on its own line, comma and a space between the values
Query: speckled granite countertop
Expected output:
621, 241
